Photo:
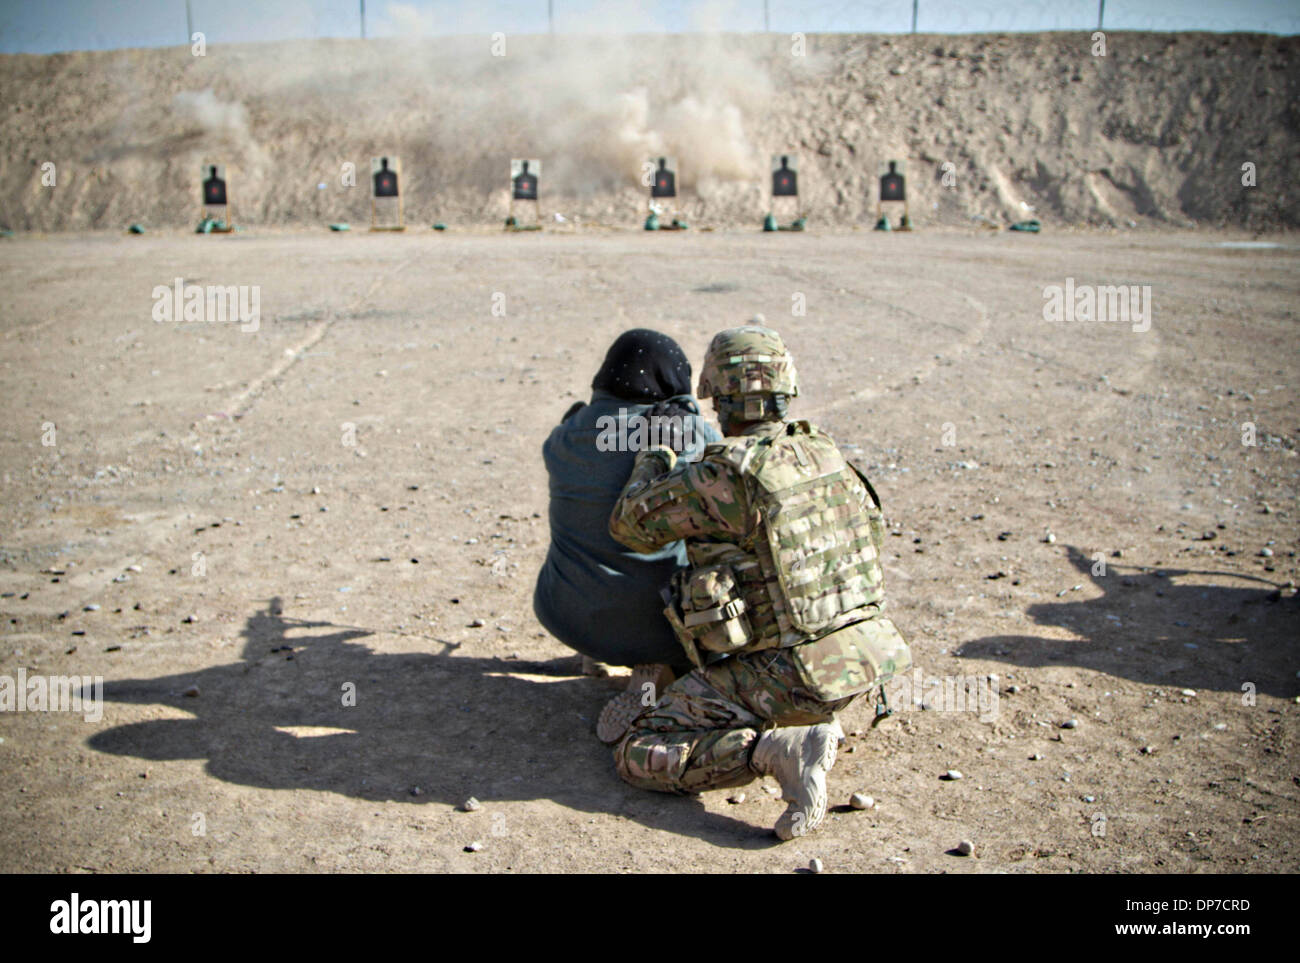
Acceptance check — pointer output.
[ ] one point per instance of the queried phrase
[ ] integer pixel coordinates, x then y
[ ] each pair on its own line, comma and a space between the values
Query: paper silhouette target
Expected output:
663, 177
384, 173
524, 175
785, 175
892, 183
214, 185
385, 193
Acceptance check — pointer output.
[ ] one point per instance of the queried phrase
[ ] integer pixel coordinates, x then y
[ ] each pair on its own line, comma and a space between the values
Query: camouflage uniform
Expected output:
700, 734
780, 610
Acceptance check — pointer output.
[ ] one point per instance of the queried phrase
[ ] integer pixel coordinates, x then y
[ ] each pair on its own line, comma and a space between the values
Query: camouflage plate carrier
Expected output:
780, 608
808, 571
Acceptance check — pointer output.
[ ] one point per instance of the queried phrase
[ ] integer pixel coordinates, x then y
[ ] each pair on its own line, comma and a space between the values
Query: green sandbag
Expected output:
652, 222
135, 229
883, 224
440, 226
341, 226
1031, 227
769, 222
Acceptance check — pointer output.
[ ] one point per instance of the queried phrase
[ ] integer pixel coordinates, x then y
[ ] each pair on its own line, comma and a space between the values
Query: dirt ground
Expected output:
201, 491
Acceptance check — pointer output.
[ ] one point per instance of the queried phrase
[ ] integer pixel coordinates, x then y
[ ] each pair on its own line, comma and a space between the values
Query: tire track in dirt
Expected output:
33, 328
969, 338
242, 403
953, 349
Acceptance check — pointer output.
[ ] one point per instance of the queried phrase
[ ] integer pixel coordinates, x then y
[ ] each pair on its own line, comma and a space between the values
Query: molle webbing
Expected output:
818, 531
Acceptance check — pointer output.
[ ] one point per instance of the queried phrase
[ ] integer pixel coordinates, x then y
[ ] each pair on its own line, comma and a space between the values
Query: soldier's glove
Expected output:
665, 456
649, 465
674, 419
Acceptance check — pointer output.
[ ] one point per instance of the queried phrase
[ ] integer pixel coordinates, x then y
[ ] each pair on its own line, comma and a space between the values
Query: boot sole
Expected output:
617, 717
621, 711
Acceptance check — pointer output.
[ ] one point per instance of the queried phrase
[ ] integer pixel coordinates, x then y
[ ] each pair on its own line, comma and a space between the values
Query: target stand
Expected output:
893, 190
385, 192
215, 213
785, 195
660, 175
525, 179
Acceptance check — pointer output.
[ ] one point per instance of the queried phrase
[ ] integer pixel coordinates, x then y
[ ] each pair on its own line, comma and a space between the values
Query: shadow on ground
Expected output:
1163, 627
454, 726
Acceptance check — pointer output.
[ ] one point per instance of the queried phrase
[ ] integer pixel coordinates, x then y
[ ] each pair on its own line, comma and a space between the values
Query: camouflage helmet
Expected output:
747, 360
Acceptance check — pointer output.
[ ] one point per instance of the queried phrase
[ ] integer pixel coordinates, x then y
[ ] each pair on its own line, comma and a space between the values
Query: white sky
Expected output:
44, 26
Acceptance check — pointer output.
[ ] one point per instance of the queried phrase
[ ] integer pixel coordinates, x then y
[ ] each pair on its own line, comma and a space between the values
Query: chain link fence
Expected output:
57, 25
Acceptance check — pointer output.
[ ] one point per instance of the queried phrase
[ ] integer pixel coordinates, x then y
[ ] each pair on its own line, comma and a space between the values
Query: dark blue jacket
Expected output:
593, 594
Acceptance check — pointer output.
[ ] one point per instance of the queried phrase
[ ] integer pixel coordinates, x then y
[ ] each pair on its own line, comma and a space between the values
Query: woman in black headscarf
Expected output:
594, 595
643, 365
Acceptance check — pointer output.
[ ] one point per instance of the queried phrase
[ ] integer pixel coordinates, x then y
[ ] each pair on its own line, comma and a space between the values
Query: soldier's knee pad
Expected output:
648, 761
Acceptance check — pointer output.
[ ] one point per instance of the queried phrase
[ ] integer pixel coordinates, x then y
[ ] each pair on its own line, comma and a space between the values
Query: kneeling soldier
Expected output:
779, 610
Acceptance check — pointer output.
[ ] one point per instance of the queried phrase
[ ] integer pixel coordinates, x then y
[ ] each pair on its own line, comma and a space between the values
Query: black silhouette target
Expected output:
892, 184
523, 179
664, 183
385, 192
385, 179
214, 187
785, 176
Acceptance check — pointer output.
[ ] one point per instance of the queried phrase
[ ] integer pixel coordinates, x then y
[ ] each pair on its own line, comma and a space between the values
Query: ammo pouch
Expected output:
852, 660
875, 517
708, 613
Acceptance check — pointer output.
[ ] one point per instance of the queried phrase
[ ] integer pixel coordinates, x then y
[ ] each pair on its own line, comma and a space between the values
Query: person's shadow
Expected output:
1163, 627
421, 727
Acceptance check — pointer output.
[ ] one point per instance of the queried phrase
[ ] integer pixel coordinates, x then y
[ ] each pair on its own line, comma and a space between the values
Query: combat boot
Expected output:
838, 729
799, 757
617, 716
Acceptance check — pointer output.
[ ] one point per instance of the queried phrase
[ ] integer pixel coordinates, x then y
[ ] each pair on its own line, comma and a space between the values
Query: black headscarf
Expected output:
645, 366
